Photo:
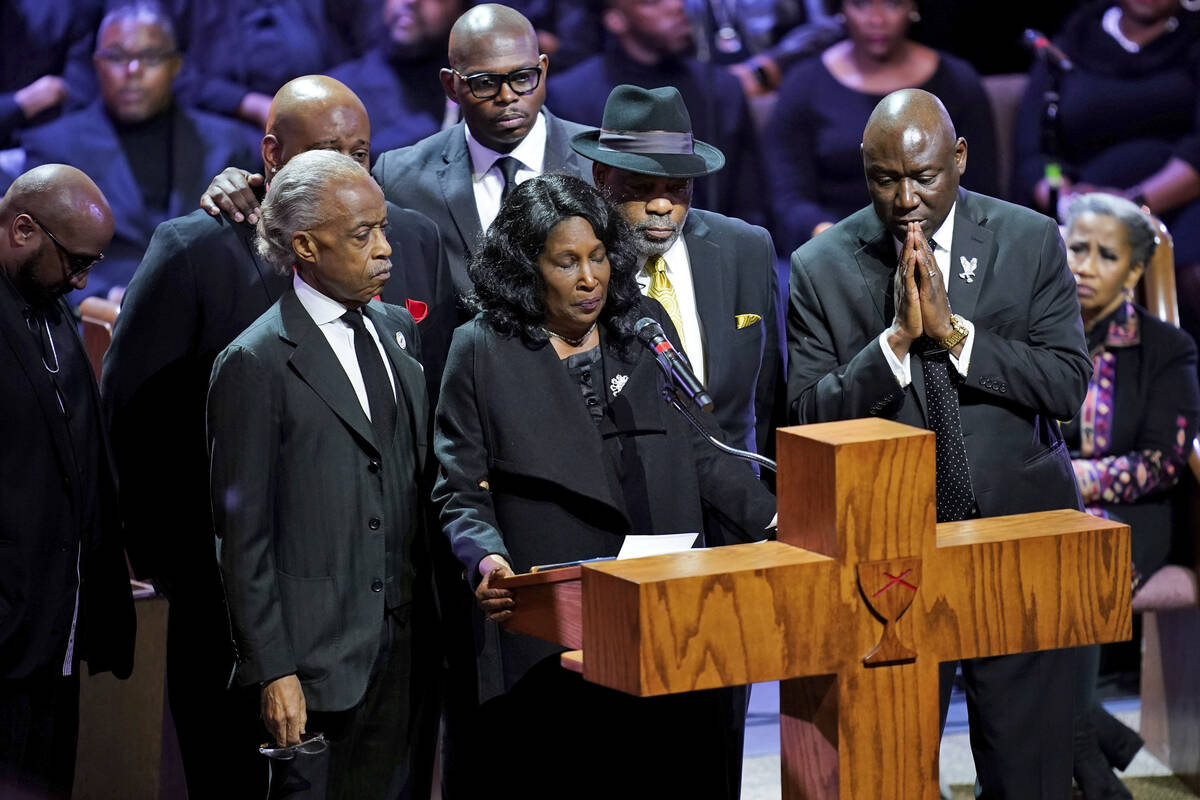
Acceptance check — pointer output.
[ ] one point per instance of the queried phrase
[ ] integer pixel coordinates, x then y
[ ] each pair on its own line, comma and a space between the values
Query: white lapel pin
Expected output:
969, 267
400, 340
618, 383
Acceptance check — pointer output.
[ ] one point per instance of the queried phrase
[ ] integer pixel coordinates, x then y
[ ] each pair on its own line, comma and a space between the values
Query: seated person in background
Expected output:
568, 31
240, 52
1129, 121
45, 61
149, 155
554, 443
812, 139
398, 80
1131, 439
652, 46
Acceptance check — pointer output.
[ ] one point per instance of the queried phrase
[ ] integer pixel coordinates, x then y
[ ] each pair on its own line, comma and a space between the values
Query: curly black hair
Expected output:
509, 288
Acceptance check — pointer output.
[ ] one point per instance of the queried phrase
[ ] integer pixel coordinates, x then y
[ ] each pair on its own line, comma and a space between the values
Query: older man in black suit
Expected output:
717, 271
459, 177
199, 286
319, 442
63, 582
871, 333
149, 154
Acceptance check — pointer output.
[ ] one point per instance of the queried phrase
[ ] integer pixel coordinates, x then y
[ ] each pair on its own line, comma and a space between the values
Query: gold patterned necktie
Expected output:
662, 291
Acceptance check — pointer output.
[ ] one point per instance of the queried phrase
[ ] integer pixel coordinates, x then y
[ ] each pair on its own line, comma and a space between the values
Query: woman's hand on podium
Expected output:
496, 604
283, 710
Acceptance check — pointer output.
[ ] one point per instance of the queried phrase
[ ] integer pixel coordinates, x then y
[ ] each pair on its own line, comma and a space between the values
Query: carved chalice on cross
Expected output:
889, 587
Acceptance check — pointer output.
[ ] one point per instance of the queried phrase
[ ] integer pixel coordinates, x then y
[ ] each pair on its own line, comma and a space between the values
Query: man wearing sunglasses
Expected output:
460, 176
148, 153
63, 578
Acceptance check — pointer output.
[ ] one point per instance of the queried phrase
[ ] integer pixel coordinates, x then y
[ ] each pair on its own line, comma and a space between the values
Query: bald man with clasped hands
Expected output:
949, 310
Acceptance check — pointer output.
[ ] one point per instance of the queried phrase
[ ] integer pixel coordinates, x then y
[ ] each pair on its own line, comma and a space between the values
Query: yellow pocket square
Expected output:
746, 320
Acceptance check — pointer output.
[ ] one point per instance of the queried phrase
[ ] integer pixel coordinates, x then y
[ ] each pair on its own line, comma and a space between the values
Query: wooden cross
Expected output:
852, 609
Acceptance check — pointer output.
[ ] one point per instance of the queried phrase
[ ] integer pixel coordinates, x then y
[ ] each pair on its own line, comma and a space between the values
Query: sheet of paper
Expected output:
637, 546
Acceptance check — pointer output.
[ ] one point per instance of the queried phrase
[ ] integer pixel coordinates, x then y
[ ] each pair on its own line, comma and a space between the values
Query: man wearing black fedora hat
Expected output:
714, 274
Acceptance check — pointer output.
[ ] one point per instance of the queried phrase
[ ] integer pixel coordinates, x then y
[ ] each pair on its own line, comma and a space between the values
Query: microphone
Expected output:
1045, 49
672, 362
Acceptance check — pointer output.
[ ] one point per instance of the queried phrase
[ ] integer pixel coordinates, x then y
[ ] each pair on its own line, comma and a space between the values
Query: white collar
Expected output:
944, 236
531, 151
321, 308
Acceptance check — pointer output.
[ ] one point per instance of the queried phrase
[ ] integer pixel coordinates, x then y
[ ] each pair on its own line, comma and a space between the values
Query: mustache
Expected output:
381, 267
663, 222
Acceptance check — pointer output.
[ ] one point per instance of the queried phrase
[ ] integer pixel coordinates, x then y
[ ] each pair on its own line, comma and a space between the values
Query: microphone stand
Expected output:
1050, 135
671, 395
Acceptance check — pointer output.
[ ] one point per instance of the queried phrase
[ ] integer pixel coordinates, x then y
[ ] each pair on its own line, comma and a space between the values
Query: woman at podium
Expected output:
554, 443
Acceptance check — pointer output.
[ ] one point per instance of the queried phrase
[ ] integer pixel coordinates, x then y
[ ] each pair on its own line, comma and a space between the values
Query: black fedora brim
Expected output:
704, 161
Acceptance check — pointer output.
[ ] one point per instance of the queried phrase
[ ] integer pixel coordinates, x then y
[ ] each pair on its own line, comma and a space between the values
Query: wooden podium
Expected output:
852, 608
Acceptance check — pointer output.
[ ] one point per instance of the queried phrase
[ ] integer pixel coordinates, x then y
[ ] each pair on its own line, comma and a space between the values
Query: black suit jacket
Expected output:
1029, 366
298, 494
40, 520
199, 286
433, 176
559, 486
733, 274
202, 145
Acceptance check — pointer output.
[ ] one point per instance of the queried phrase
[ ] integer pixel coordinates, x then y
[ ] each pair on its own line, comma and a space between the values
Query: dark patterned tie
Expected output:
379, 389
508, 168
955, 498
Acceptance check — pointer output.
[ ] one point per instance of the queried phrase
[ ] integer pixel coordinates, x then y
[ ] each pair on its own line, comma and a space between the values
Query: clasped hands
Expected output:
922, 306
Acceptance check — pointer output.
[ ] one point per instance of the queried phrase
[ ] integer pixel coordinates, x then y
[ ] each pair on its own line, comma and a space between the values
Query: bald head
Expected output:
315, 112
912, 160
66, 202
486, 28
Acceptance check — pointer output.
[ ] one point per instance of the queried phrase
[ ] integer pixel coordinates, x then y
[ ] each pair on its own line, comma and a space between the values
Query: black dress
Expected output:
1122, 115
813, 137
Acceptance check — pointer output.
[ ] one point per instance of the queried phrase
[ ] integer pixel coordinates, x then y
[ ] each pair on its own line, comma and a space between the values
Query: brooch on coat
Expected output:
400, 340
618, 383
969, 267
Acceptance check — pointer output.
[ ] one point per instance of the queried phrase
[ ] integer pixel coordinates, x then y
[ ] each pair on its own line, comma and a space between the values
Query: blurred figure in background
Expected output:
812, 139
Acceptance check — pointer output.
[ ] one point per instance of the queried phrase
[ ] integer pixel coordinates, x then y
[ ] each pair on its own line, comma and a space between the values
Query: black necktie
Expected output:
379, 389
508, 168
955, 499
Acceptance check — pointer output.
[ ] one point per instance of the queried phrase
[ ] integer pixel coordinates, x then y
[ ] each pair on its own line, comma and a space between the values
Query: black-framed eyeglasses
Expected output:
147, 58
77, 263
486, 85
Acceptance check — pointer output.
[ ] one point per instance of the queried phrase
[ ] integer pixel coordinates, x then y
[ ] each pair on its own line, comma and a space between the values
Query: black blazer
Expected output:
733, 274
40, 521
298, 494
433, 176
561, 488
202, 145
1029, 366
199, 286
1155, 405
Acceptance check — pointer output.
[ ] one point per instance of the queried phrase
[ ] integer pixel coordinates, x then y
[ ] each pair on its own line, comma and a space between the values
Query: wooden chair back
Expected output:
98, 317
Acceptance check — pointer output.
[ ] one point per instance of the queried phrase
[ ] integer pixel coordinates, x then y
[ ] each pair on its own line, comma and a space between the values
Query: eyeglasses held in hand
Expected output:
310, 745
486, 85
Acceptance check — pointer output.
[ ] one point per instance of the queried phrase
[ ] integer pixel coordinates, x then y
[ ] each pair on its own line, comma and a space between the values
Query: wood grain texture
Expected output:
548, 606
851, 493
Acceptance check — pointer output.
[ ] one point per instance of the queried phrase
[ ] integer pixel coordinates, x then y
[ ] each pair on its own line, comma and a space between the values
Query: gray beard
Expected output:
649, 248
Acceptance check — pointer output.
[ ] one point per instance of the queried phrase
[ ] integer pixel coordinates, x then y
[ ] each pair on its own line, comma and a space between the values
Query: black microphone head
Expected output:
647, 329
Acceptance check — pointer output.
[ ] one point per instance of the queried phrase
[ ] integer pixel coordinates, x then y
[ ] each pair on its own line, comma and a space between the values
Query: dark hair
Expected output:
509, 288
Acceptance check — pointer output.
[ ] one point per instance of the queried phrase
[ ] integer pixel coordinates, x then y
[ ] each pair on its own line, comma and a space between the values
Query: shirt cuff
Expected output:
962, 362
901, 369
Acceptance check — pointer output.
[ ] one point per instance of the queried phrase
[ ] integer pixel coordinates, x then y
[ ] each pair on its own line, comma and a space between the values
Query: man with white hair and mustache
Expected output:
320, 474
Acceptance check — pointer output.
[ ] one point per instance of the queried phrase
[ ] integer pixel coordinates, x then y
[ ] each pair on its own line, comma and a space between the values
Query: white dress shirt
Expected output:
327, 314
941, 241
486, 178
679, 272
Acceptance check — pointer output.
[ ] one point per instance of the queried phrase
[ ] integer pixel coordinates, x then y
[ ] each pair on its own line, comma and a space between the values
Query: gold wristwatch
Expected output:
958, 334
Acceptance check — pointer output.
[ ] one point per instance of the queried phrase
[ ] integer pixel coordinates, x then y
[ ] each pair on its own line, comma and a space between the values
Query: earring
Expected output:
914, 16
